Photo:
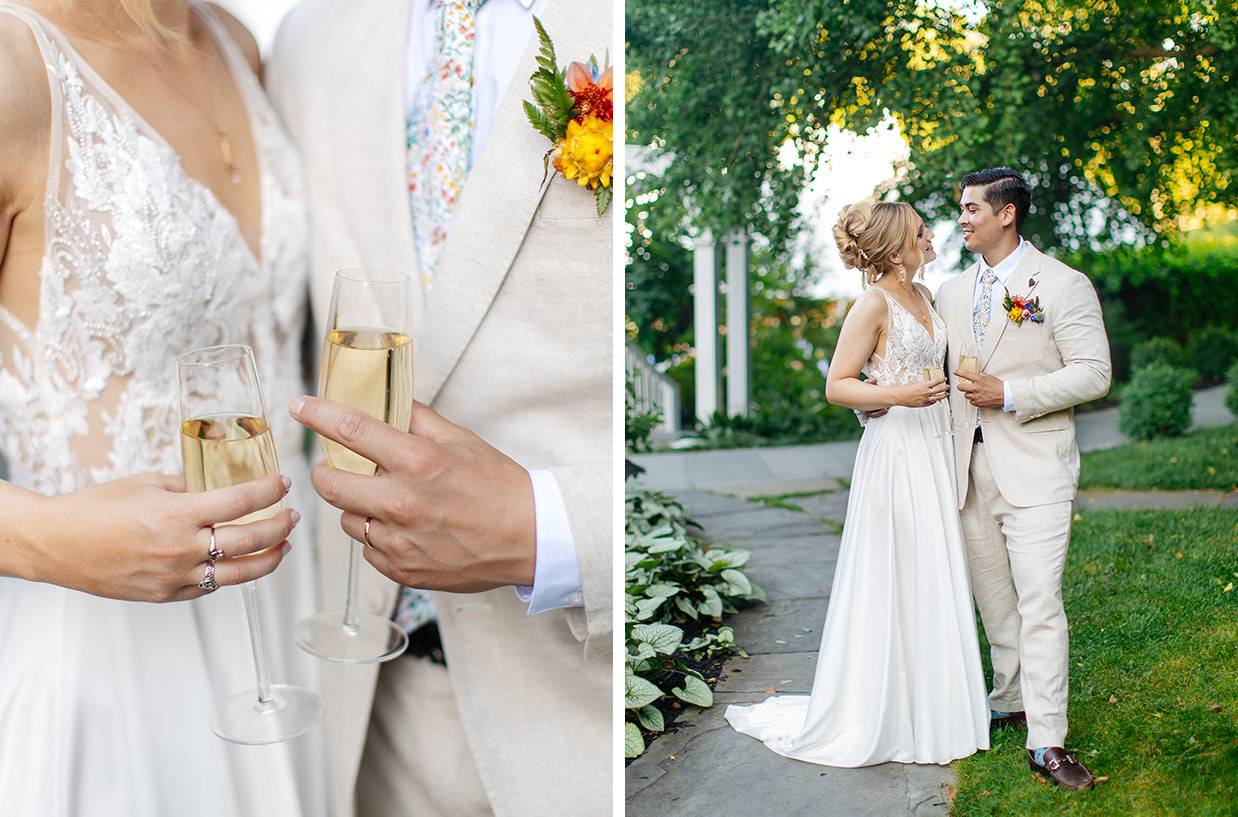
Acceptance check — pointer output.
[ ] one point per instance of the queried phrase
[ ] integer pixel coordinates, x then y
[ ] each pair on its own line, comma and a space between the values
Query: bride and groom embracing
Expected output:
944, 505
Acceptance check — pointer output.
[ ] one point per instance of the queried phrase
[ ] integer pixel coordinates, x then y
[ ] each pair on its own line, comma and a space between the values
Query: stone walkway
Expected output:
704, 768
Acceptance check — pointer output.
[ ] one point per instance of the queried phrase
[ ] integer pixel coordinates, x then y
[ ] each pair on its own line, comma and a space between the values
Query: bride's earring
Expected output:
902, 275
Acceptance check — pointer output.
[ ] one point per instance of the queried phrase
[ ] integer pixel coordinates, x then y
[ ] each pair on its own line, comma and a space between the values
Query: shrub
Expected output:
1156, 402
1231, 394
1157, 350
1213, 351
671, 577
637, 426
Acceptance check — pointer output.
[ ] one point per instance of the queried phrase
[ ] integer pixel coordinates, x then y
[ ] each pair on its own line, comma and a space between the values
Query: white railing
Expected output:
653, 390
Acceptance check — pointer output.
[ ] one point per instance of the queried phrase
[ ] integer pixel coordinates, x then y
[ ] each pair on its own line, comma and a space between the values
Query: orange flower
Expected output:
594, 94
585, 153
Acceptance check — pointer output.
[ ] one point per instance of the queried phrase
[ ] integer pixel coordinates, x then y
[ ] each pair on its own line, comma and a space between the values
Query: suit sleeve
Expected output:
1078, 328
588, 495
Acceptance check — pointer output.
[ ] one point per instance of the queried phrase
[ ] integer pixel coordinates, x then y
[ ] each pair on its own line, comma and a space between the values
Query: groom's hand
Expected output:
446, 510
984, 390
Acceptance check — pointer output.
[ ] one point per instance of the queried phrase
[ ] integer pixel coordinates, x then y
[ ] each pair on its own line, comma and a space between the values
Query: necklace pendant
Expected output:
225, 150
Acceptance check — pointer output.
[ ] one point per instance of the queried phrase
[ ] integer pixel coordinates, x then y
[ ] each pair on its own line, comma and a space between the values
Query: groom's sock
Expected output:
1039, 755
993, 713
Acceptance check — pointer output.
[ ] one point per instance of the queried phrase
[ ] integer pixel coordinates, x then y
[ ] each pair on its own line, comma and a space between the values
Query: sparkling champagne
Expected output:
370, 370
219, 451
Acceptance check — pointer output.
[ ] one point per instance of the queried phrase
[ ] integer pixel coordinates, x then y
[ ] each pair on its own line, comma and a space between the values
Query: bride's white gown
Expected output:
105, 705
899, 675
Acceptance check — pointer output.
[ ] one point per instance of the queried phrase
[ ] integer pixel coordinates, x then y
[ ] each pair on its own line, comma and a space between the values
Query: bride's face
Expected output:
922, 241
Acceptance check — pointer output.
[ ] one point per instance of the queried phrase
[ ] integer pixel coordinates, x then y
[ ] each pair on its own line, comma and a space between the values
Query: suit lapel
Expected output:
1022, 281
498, 203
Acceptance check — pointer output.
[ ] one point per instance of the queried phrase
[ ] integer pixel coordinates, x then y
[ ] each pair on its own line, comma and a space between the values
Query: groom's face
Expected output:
982, 228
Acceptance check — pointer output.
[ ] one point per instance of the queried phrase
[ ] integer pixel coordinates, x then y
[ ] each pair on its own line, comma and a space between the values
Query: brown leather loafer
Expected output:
1062, 769
1008, 720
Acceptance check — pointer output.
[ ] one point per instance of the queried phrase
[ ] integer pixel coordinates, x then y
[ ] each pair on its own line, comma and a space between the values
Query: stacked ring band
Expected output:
208, 582
215, 551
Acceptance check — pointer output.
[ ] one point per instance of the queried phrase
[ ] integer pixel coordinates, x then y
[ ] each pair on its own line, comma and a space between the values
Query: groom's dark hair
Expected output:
1003, 186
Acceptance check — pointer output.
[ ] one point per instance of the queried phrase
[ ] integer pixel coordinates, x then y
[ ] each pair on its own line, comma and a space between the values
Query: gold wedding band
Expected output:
368, 543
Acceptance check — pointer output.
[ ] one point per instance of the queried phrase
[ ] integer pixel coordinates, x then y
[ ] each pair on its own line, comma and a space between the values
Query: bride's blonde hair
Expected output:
142, 13
868, 233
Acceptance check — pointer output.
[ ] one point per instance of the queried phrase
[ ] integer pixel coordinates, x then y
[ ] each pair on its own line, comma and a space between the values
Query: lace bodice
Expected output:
909, 349
141, 262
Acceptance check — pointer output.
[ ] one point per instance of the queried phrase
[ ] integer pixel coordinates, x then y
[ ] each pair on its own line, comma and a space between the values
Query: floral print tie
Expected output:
440, 132
440, 141
984, 307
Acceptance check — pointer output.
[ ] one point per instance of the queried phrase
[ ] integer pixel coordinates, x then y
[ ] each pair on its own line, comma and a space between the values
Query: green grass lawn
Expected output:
1204, 460
1152, 597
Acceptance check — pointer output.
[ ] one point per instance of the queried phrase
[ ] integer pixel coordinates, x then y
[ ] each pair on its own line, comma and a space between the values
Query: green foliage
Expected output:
785, 424
637, 426
1157, 402
1213, 351
554, 103
1199, 461
1163, 292
1153, 610
1157, 350
672, 578
1231, 390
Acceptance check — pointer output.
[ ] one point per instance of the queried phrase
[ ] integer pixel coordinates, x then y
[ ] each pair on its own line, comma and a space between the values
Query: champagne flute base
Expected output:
373, 640
243, 718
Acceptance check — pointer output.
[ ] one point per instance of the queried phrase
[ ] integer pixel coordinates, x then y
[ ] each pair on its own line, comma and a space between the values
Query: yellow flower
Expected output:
1016, 313
585, 153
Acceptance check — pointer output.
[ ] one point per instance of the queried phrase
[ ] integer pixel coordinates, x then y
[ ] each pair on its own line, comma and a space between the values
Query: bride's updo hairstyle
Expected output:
142, 13
868, 233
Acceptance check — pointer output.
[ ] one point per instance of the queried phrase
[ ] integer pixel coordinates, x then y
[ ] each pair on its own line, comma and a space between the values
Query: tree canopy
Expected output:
1119, 112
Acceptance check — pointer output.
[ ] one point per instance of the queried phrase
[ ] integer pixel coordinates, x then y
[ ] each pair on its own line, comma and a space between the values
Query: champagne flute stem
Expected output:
250, 591
352, 616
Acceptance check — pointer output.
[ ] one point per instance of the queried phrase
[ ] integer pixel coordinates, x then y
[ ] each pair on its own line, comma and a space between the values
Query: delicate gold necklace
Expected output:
212, 117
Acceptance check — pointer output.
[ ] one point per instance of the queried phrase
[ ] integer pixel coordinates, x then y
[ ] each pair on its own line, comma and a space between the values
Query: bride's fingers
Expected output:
239, 540
230, 571
236, 501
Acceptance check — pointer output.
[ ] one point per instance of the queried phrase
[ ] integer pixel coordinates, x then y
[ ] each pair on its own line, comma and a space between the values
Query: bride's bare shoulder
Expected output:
26, 103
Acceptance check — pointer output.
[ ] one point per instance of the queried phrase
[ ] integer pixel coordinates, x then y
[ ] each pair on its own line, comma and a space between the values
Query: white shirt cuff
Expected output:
556, 575
1007, 397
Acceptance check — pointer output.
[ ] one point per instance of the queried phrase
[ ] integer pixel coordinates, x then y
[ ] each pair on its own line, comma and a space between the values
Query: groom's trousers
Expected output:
1016, 558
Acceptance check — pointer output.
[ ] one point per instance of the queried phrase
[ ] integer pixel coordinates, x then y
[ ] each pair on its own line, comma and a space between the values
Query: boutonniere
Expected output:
574, 109
1023, 309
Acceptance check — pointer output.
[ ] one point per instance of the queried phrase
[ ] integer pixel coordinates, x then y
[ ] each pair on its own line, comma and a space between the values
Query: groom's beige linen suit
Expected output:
514, 342
1016, 487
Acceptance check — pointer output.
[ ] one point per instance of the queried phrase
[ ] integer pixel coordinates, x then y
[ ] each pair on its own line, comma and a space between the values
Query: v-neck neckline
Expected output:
151, 132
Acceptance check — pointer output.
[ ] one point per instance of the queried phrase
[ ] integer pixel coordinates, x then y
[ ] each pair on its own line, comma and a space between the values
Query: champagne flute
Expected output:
367, 363
225, 440
967, 363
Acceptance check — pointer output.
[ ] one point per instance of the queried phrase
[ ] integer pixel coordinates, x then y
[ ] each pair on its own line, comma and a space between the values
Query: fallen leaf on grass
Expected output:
1215, 707
1113, 699
1102, 779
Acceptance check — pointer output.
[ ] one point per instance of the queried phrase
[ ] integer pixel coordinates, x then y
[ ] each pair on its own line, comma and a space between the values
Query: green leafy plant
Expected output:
1231, 392
638, 426
673, 578
1157, 350
1213, 351
1156, 402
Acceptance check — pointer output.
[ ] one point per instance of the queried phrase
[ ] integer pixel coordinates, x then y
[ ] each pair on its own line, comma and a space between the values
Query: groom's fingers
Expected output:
353, 429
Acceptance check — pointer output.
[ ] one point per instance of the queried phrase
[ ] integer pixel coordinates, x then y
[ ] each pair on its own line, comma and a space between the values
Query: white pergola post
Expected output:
705, 325
738, 322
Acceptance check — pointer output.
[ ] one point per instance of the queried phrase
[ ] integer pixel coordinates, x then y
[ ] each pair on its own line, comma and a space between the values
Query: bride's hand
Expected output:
919, 394
144, 538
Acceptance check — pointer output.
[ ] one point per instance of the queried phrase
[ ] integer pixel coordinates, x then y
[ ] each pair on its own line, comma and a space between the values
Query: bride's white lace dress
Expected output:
898, 676
105, 705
